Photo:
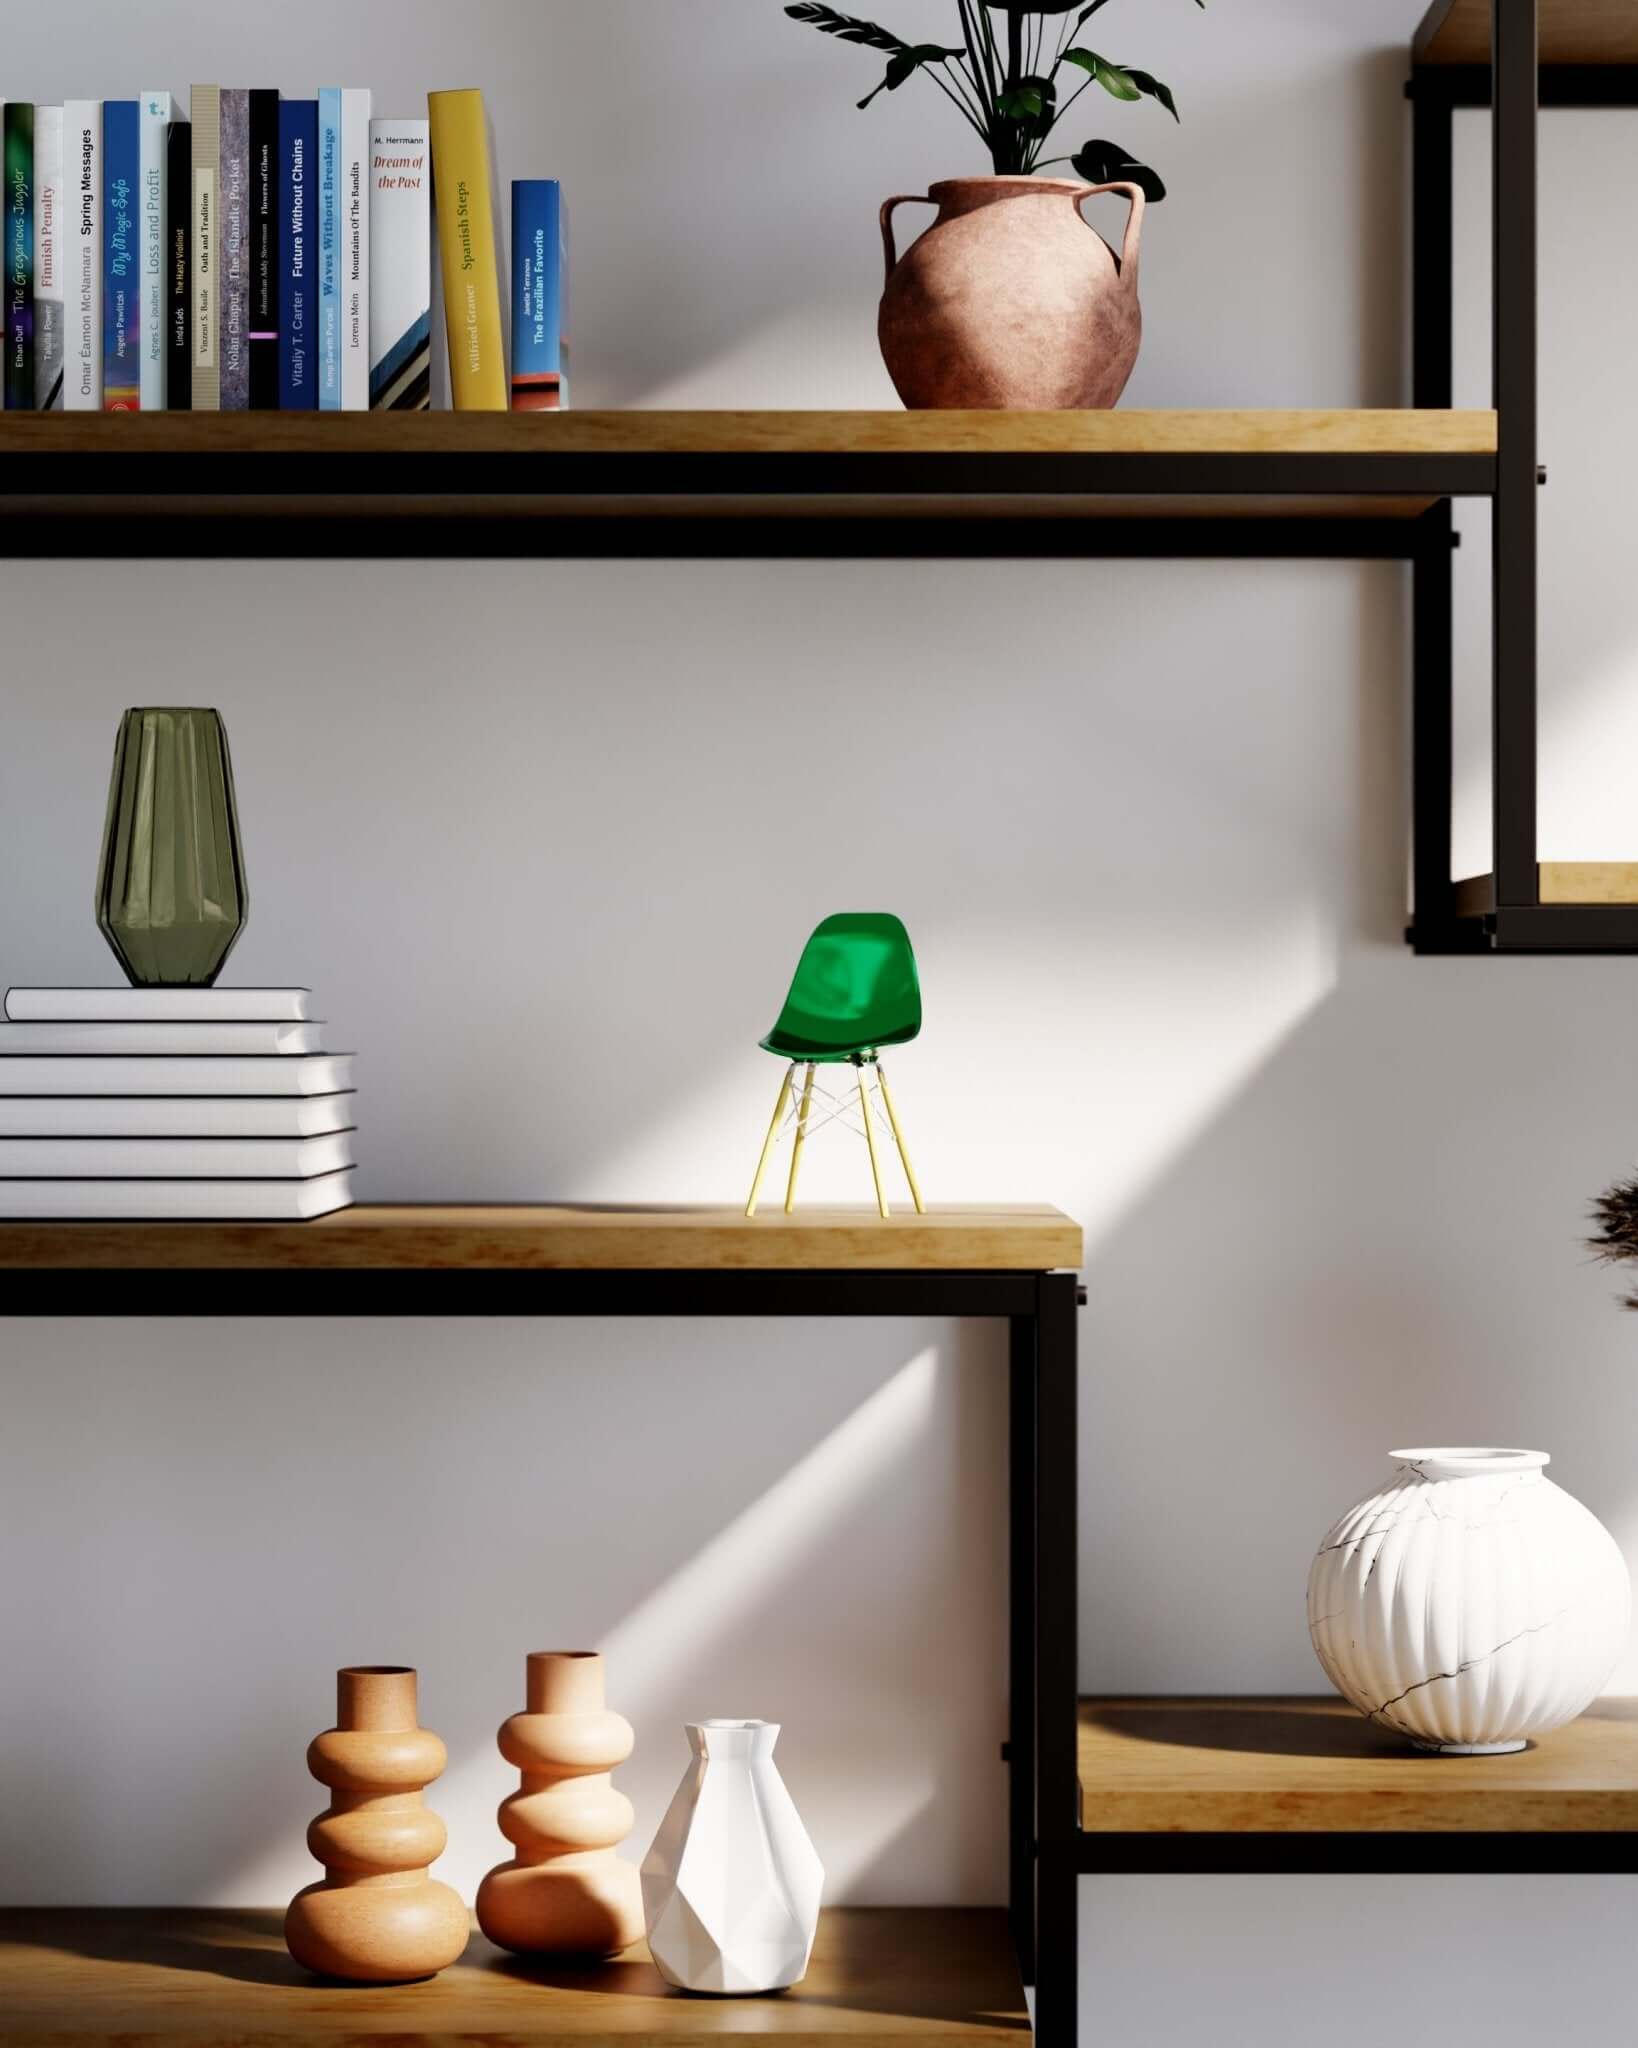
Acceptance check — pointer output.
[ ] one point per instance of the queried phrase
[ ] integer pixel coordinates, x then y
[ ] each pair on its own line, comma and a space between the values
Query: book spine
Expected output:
19, 380
82, 270
264, 252
178, 238
112, 1037
157, 1005
355, 250
400, 267
49, 253
157, 112
203, 237
466, 239
329, 249
121, 257
298, 298
233, 272
539, 383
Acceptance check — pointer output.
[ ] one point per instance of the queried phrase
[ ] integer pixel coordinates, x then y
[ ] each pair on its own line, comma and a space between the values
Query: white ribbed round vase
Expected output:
1471, 1604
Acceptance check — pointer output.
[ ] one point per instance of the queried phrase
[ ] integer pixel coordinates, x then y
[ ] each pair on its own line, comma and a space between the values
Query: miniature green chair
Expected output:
855, 991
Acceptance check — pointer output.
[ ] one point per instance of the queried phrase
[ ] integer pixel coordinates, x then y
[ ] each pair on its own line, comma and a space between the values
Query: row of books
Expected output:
171, 1105
269, 254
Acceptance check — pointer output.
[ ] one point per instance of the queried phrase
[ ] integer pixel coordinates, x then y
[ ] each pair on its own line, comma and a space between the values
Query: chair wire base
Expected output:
865, 1108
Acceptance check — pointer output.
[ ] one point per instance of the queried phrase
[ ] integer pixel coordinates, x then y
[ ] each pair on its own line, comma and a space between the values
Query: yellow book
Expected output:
466, 242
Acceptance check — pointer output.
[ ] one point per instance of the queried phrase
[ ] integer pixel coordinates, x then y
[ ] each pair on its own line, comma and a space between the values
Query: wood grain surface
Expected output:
753, 433
1208, 1765
223, 1980
1021, 1239
1559, 881
1572, 32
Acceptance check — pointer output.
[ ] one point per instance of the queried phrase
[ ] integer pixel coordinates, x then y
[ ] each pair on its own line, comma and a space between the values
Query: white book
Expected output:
150, 1074
49, 251
159, 1005
168, 1116
282, 1040
177, 1201
355, 249
155, 113
175, 1158
400, 266
82, 272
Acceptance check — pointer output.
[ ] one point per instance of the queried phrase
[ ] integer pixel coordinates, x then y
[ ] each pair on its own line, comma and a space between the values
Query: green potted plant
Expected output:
1010, 299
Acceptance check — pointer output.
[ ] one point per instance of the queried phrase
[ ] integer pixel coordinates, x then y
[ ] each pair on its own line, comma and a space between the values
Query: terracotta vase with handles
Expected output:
1011, 300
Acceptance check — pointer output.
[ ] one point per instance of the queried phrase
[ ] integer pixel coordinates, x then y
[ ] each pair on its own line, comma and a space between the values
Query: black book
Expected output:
264, 252
178, 268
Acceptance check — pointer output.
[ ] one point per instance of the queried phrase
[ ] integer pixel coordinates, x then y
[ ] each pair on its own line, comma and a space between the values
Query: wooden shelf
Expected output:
312, 470
1559, 881
564, 1239
541, 437
1214, 1766
1572, 32
223, 1980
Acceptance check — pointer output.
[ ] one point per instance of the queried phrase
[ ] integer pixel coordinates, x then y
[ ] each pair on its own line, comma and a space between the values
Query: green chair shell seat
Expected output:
855, 990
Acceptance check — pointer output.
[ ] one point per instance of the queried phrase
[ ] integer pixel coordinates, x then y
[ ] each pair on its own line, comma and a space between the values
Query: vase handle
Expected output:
1134, 226
904, 199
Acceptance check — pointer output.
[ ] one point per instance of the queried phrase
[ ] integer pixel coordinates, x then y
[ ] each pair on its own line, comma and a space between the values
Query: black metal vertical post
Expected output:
1433, 225
1021, 1710
1057, 1666
1514, 625
1432, 723
1433, 222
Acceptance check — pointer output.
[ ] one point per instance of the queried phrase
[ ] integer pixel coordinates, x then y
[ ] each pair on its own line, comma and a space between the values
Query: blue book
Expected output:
298, 251
540, 304
121, 257
329, 248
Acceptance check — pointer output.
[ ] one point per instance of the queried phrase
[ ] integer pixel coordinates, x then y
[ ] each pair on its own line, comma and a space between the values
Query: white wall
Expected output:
1147, 825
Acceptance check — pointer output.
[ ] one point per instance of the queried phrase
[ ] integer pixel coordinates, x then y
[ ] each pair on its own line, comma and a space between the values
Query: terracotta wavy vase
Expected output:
1010, 300
377, 1918
565, 1892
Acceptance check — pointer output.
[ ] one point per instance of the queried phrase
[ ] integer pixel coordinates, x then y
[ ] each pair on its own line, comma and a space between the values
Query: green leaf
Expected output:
1028, 100
1111, 77
1146, 81
846, 26
1106, 163
1115, 82
905, 66
1023, 103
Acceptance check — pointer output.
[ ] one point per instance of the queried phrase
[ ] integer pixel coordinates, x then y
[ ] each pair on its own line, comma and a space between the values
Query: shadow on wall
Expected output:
1378, 1242
400, 1491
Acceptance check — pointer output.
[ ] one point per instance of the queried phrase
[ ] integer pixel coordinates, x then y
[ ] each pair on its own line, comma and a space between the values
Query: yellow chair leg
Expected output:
870, 1140
801, 1138
898, 1138
773, 1133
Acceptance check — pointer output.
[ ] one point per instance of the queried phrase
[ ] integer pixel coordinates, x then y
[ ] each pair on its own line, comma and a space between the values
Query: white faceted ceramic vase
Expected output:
1471, 1605
731, 1886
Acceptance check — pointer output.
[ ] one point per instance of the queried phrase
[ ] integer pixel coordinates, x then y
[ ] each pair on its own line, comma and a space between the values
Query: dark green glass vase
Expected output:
171, 895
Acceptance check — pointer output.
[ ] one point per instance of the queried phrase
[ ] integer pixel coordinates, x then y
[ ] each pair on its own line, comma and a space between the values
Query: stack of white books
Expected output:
171, 1104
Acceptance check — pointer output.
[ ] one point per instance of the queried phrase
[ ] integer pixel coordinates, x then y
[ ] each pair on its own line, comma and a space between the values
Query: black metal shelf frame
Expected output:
1048, 1852
1583, 1853
1514, 87
1044, 1841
